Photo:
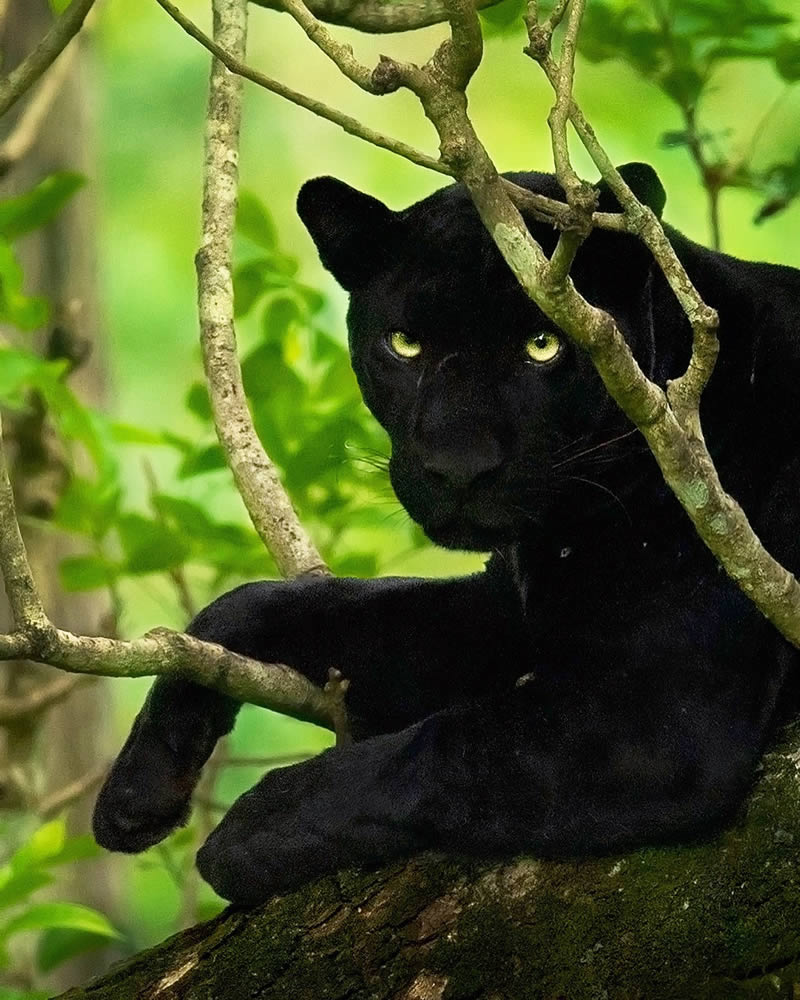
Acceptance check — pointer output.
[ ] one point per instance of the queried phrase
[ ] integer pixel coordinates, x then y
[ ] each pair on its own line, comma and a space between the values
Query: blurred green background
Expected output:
149, 83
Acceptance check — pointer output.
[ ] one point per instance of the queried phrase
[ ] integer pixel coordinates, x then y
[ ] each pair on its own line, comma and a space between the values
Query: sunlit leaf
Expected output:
87, 507
40, 916
123, 433
44, 843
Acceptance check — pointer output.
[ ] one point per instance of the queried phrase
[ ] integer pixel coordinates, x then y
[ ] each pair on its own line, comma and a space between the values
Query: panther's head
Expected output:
496, 419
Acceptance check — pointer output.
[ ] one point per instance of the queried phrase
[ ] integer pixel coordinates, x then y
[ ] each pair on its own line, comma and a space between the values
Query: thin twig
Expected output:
559, 115
30, 122
64, 797
686, 390
341, 55
21, 79
345, 122
39, 699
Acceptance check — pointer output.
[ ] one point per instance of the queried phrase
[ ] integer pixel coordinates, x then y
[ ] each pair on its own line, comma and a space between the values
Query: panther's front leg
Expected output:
549, 772
408, 646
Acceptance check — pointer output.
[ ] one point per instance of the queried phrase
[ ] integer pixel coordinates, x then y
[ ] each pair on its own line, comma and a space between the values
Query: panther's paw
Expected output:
145, 797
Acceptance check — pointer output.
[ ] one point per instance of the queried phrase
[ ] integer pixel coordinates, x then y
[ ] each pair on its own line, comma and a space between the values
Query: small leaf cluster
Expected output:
63, 929
678, 45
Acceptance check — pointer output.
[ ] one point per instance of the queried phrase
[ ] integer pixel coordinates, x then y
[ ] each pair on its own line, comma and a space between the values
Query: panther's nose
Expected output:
464, 467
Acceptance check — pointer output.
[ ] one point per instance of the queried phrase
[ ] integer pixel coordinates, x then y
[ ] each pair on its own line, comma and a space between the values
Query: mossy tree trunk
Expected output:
717, 920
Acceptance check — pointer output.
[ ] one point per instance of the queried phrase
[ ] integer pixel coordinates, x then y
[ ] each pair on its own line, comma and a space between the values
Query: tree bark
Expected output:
718, 920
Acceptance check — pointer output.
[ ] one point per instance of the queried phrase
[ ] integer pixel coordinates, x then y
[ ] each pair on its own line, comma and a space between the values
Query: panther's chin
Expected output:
467, 535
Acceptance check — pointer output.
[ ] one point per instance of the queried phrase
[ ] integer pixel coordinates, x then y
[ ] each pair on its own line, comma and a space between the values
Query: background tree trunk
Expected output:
60, 263
717, 921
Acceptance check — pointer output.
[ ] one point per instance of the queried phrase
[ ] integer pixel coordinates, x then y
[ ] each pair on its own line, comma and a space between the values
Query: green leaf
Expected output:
360, 564
59, 6
23, 311
279, 315
197, 401
314, 300
41, 916
80, 848
787, 60
249, 284
21, 885
89, 572
38, 206
208, 459
254, 222
45, 843
59, 944
502, 17
7, 993
87, 507
149, 546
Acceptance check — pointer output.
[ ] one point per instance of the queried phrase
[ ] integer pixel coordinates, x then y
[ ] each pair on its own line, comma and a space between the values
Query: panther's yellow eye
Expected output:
403, 346
543, 346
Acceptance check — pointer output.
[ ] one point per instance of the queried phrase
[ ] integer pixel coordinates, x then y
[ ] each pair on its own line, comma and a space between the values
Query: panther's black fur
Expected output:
602, 683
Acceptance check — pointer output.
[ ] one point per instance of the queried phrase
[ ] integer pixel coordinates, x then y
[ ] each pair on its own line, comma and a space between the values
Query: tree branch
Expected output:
350, 125
21, 79
26, 607
267, 504
341, 55
708, 919
161, 651
377, 16
686, 391
667, 421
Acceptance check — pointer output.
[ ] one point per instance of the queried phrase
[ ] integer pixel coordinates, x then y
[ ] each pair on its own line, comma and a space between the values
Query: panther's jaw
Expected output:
469, 534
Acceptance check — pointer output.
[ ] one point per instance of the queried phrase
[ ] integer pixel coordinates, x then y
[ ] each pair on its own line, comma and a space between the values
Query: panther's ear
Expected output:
353, 231
645, 184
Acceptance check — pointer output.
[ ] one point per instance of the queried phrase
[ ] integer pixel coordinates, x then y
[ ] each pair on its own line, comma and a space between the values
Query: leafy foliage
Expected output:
306, 409
19, 216
678, 45
64, 929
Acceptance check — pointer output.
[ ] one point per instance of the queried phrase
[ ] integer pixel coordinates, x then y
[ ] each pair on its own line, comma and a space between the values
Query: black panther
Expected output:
602, 684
